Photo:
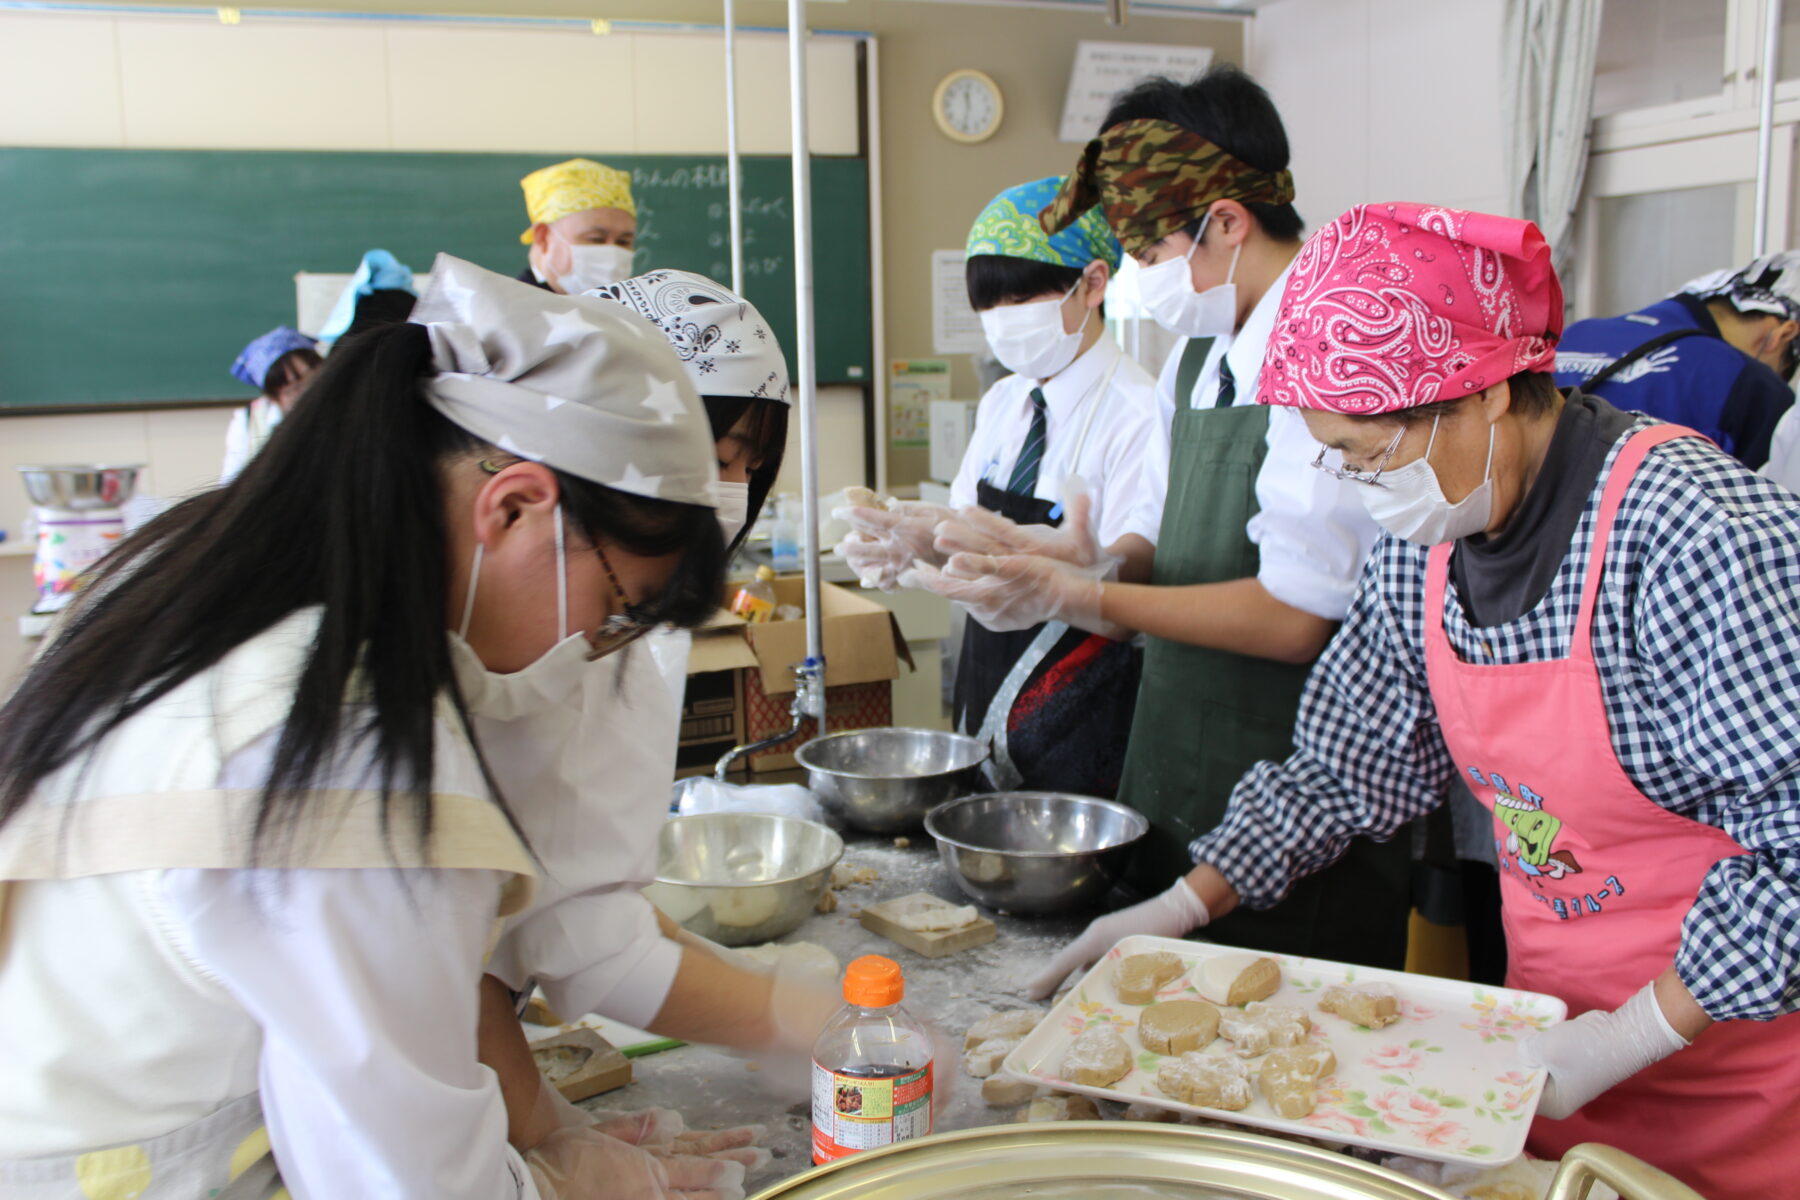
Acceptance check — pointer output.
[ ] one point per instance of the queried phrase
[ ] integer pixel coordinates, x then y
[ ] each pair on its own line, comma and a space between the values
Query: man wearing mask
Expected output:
1070, 454
1717, 356
1257, 557
583, 231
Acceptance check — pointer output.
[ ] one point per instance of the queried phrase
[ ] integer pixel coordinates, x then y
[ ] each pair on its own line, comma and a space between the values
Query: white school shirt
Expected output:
1124, 459
346, 997
1312, 530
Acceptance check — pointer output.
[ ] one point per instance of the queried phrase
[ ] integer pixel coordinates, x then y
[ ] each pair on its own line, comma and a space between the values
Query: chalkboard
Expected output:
132, 277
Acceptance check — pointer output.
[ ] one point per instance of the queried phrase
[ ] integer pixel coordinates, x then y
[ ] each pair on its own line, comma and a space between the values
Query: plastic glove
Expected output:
1019, 592
663, 1131
975, 530
581, 1163
1596, 1050
882, 543
1175, 913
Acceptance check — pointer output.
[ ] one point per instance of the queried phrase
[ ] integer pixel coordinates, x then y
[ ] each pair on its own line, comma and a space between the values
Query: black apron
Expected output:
1066, 727
1205, 716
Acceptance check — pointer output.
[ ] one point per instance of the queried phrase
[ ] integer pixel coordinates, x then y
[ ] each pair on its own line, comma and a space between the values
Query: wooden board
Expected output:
603, 1070
879, 918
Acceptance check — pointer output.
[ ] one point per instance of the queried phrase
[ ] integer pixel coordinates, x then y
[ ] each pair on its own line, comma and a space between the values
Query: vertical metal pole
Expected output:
734, 164
805, 351
1765, 129
877, 273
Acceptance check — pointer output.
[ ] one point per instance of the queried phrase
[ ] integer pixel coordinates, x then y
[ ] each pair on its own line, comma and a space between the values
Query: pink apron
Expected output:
1596, 879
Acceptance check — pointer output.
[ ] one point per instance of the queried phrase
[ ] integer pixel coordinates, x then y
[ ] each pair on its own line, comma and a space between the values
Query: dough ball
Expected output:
1373, 1006
1097, 1058
1138, 976
1012, 1023
1177, 1026
1290, 1079
1205, 1080
1237, 979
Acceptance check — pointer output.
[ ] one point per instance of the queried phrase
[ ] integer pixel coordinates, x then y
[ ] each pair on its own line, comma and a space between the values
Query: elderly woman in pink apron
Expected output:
1586, 614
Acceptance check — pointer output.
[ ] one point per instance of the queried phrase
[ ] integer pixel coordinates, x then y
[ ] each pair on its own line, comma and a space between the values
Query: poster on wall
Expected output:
1104, 69
913, 383
955, 327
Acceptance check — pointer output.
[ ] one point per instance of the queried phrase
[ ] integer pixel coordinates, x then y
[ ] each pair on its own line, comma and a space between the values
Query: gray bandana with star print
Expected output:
726, 346
575, 382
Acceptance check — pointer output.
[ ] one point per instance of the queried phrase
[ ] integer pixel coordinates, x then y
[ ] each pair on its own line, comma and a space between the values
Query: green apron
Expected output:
1205, 717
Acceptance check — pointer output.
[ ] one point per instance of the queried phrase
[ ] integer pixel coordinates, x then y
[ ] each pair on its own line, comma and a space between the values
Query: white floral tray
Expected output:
1443, 1083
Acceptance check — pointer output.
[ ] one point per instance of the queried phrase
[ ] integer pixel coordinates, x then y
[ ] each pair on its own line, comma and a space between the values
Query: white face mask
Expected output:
1029, 339
592, 267
1167, 290
1409, 503
732, 502
550, 679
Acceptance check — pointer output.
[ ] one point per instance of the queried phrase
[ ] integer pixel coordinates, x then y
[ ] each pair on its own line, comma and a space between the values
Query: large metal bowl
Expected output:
885, 780
742, 878
1030, 853
77, 488
1100, 1160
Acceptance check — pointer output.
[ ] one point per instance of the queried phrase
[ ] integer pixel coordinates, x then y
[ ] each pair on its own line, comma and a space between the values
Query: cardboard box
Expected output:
740, 683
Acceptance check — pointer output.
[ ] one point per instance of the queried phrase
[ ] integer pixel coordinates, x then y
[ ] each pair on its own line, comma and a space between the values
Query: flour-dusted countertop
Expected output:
713, 1089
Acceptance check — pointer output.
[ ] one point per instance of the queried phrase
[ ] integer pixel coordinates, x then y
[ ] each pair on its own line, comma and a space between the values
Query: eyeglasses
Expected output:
1371, 478
630, 623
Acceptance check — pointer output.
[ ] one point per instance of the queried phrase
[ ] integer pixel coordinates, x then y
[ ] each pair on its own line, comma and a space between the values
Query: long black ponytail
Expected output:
343, 509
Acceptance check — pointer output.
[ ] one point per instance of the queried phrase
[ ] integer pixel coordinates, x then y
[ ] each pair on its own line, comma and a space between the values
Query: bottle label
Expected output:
856, 1112
754, 609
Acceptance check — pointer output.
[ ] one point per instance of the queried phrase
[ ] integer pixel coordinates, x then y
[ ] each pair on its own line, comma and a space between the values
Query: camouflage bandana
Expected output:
1155, 178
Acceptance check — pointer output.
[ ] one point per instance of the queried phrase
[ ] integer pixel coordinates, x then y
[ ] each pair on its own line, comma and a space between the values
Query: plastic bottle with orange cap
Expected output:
872, 1067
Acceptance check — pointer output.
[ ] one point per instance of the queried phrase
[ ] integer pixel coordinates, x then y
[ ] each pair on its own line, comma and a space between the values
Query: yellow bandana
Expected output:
552, 193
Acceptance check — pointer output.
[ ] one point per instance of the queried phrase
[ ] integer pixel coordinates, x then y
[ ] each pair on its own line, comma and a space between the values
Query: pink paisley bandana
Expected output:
1396, 305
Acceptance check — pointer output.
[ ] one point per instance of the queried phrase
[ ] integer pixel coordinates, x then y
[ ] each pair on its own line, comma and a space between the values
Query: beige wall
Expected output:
163, 81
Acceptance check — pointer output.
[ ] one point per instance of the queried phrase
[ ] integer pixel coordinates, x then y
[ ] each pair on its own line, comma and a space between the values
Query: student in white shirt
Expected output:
252, 856
1258, 556
1070, 450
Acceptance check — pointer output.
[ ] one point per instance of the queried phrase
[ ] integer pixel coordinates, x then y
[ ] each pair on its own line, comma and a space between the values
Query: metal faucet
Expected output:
809, 701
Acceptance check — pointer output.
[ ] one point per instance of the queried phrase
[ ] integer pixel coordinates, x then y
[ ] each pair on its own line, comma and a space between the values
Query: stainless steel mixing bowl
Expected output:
75, 487
885, 780
742, 878
1030, 853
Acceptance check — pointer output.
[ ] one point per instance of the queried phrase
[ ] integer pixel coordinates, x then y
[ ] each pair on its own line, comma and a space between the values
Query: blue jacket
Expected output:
1701, 380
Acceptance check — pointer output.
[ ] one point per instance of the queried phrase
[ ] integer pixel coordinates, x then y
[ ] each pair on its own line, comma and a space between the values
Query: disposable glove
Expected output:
581, 1163
1019, 592
1596, 1050
661, 1131
1175, 913
882, 543
975, 530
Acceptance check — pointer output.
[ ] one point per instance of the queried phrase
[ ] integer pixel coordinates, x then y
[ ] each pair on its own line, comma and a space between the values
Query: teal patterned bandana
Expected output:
1009, 226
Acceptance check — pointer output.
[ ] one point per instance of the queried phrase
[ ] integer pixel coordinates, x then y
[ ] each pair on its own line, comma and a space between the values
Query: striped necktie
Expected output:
1227, 385
1031, 454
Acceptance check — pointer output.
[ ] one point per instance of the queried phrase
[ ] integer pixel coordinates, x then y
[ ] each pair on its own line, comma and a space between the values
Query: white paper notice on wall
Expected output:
1104, 69
955, 329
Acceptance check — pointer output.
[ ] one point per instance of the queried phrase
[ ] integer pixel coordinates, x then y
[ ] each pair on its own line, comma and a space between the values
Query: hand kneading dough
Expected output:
1206, 1080
1012, 1023
1060, 1107
1263, 1027
1177, 1026
1237, 979
1372, 1005
1138, 976
1097, 1058
1290, 1079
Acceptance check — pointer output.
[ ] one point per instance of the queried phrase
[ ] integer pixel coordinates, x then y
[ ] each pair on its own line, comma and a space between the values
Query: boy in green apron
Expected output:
1256, 560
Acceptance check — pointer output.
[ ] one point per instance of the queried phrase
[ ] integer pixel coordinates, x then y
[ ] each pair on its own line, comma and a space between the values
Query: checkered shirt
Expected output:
1697, 641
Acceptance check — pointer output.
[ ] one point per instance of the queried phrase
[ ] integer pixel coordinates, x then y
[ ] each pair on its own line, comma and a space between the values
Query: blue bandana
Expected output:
252, 365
